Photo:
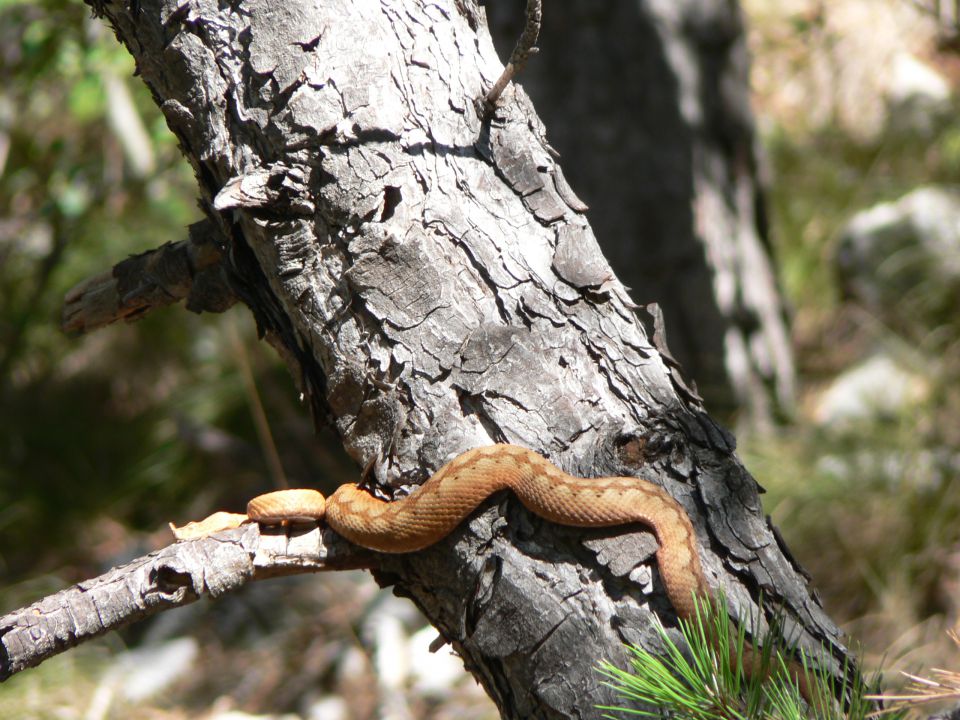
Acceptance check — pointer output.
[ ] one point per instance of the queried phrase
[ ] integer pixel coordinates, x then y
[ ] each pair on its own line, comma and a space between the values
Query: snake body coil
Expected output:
433, 510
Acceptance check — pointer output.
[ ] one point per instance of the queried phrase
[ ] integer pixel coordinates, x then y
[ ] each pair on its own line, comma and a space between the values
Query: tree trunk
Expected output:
434, 286
648, 104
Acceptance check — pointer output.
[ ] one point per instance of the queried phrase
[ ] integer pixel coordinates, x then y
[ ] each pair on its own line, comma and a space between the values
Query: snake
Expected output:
439, 505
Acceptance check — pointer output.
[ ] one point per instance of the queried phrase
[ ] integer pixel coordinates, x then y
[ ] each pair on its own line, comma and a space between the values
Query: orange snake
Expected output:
434, 509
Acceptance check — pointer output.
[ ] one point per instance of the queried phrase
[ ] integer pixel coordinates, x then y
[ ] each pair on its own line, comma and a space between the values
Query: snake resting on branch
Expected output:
434, 509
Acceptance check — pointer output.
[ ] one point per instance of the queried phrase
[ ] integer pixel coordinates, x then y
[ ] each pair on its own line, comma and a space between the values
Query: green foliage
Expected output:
57, 688
824, 483
867, 508
821, 180
113, 423
142, 424
704, 679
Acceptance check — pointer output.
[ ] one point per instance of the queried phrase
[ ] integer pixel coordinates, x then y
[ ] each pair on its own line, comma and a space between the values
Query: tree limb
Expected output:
434, 285
132, 288
177, 575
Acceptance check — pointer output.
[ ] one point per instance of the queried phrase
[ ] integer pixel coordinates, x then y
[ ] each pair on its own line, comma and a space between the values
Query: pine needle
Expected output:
707, 682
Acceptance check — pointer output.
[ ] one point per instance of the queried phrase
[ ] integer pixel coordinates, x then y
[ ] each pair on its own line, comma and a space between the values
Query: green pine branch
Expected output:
699, 682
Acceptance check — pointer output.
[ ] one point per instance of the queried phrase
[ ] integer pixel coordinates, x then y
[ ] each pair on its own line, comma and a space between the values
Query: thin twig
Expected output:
258, 414
525, 47
922, 690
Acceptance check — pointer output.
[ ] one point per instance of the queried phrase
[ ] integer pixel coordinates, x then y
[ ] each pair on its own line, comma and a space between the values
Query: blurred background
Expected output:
845, 398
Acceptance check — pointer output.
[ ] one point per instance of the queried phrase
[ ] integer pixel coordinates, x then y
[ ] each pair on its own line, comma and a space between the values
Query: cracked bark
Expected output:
177, 575
434, 285
665, 151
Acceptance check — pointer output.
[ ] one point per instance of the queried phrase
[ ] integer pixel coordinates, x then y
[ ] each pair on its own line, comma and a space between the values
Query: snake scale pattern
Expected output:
438, 506
433, 510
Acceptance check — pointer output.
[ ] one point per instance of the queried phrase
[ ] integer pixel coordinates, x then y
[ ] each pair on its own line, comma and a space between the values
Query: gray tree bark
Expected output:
648, 103
434, 285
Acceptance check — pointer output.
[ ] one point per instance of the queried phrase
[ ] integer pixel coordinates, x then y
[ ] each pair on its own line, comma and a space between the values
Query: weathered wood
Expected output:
434, 285
175, 576
189, 269
648, 104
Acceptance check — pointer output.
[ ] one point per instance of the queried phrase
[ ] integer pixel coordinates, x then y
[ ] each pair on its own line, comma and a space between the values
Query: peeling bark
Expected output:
434, 285
649, 106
